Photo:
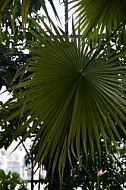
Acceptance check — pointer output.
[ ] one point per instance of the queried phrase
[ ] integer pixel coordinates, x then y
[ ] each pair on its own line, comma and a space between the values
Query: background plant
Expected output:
11, 180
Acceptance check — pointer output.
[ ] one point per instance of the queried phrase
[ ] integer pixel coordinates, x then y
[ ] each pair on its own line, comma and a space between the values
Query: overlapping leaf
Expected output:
100, 16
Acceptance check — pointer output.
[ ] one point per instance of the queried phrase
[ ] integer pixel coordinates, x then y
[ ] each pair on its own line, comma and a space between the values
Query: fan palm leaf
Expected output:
76, 94
100, 16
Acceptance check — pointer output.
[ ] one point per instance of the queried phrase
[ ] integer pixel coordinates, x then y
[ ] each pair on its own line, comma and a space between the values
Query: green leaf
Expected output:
96, 17
76, 96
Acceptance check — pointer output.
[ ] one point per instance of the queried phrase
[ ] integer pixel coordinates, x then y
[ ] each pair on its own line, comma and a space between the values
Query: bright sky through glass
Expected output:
4, 96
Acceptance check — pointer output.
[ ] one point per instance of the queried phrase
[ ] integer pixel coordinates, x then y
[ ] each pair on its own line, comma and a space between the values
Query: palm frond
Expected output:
100, 17
76, 94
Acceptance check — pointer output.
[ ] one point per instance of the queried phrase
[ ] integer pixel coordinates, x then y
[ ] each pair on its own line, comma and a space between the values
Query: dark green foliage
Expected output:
12, 54
84, 172
7, 67
8, 128
10, 180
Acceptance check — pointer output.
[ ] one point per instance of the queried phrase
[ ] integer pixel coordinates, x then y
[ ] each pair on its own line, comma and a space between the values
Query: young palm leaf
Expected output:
75, 93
